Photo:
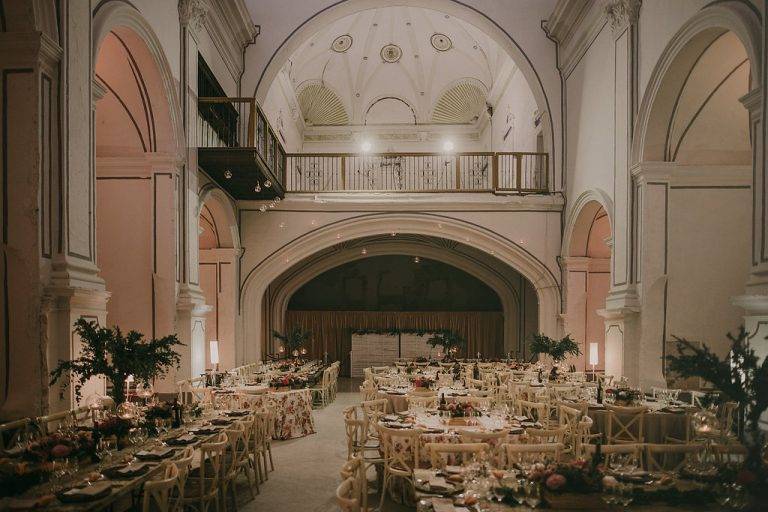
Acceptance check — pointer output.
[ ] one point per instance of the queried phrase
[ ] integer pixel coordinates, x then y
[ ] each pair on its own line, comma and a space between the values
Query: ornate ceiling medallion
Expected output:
342, 43
441, 42
391, 53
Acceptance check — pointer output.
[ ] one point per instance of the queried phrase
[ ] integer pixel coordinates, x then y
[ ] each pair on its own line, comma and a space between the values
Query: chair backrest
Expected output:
183, 464
211, 466
467, 452
534, 410
730, 453
11, 432
82, 416
401, 447
52, 422
478, 402
374, 409
670, 457
546, 435
238, 437
609, 451
421, 401
529, 453
494, 440
727, 416
158, 493
625, 424
346, 497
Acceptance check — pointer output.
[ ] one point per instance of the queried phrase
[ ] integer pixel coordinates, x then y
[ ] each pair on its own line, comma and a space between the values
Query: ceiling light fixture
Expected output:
365, 146
416, 259
448, 146
263, 208
257, 188
267, 183
228, 174
364, 251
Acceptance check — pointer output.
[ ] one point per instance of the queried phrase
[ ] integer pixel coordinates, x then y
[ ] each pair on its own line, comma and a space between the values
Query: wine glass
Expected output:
532, 494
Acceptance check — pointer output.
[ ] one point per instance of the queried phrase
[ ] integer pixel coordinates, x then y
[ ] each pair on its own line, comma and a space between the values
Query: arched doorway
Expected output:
219, 251
693, 153
516, 314
587, 266
252, 342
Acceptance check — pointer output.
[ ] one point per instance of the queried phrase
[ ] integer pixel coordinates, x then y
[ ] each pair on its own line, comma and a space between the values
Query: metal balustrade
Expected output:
418, 172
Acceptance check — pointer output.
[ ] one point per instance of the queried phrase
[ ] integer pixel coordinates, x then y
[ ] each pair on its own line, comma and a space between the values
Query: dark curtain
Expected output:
332, 330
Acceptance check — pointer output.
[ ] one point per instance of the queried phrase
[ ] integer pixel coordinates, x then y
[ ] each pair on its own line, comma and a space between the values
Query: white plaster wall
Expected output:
590, 129
514, 113
278, 111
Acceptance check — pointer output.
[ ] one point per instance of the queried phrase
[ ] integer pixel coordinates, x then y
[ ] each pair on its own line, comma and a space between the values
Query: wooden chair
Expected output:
478, 402
424, 402
670, 457
625, 424
53, 422
368, 391
546, 435
204, 483
346, 497
373, 410
611, 450
537, 411
467, 451
157, 495
13, 431
234, 460
399, 461
494, 440
729, 453
183, 464
530, 453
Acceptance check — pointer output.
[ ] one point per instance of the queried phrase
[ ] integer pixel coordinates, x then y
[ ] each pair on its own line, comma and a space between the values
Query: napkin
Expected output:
520, 418
438, 483
157, 453
89, 490
221, 421
443, 505
132, 469
236, 414
453, 469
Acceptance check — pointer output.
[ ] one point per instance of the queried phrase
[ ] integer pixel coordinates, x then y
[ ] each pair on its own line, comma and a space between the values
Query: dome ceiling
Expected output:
395, 65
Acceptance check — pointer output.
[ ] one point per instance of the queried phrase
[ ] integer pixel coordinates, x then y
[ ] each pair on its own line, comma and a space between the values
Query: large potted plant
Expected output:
107, 352
558, 350
293, 340
743, 378
451, 342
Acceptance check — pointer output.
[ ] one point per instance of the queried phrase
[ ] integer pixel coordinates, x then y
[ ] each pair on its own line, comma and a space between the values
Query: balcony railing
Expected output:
221, 125
524, 173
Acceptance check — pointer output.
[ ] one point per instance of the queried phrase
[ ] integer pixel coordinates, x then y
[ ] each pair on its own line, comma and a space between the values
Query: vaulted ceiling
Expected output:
395, 65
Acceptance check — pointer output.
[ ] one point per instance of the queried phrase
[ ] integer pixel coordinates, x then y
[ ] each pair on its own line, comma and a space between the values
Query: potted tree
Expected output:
451, 342
293, 340
107, 352
558, 350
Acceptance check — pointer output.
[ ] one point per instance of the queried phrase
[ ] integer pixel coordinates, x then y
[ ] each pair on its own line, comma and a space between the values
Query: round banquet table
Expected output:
657, 425
397, 401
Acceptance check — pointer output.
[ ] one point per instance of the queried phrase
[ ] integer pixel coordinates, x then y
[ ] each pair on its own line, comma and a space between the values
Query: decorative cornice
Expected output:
98, 91
622, 13
193, 13
575, 24
752, 101
230, 27
692, 175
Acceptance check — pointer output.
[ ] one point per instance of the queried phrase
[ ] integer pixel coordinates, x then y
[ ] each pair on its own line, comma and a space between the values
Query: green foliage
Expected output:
449, 340
293, 339
556, 349
740, 377
105, 351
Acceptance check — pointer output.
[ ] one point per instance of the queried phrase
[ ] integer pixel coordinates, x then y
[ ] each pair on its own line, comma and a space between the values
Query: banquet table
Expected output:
122, 489
398, 402
293, 416
657, 424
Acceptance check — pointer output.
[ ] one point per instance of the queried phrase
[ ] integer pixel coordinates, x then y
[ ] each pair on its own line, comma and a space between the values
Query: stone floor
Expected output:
307, 469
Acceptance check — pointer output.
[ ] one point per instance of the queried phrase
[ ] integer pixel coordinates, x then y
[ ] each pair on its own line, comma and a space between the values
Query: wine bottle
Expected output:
599, 390
476, 372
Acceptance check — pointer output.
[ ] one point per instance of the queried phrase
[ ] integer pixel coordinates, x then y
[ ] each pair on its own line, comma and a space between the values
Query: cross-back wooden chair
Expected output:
670, 457
13, 431
441, 454
609, 451
625, 424
204, 483
531, 453
538, 411
423, 401
546, 435
157, 495
53, 422
494, 440
401, 449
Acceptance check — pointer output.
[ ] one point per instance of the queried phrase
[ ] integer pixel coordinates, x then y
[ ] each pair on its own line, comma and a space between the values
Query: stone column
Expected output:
755, 298
190, 303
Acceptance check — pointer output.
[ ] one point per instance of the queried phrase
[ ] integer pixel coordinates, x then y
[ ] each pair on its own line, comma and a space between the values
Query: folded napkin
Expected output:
127, 471
438, 483
391, 417
520, 418
157, 453
89, 491
204, 431
443, 505
236, 414
453, 470
221, 421
182, 440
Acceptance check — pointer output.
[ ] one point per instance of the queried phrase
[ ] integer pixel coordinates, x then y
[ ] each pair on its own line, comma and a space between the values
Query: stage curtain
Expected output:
332, 330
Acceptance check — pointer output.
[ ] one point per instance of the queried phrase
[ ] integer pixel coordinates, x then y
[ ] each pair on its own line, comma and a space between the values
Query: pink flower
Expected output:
60, 451
555, 481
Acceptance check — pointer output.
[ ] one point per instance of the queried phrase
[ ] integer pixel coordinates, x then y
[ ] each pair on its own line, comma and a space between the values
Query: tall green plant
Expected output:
105, 351
740, 376
293, 339
449, 340
556, 349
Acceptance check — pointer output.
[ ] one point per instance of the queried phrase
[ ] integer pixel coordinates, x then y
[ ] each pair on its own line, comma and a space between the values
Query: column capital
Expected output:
192, 13
621, 302
622, 13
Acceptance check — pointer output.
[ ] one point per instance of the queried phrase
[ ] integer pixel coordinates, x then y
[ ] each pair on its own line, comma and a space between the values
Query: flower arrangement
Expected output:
161, 411
61, 446
460, 410
113, 426
196, 410
577, 476
288, 381
423, 382
624, 396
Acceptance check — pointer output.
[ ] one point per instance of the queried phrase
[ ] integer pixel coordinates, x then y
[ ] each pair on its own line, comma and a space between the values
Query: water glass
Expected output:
532, 494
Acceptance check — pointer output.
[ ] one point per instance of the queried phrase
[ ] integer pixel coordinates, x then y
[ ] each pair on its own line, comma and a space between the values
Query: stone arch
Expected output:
571, 231
110, 16
255, 283
224, 209
678, 59
482, 270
